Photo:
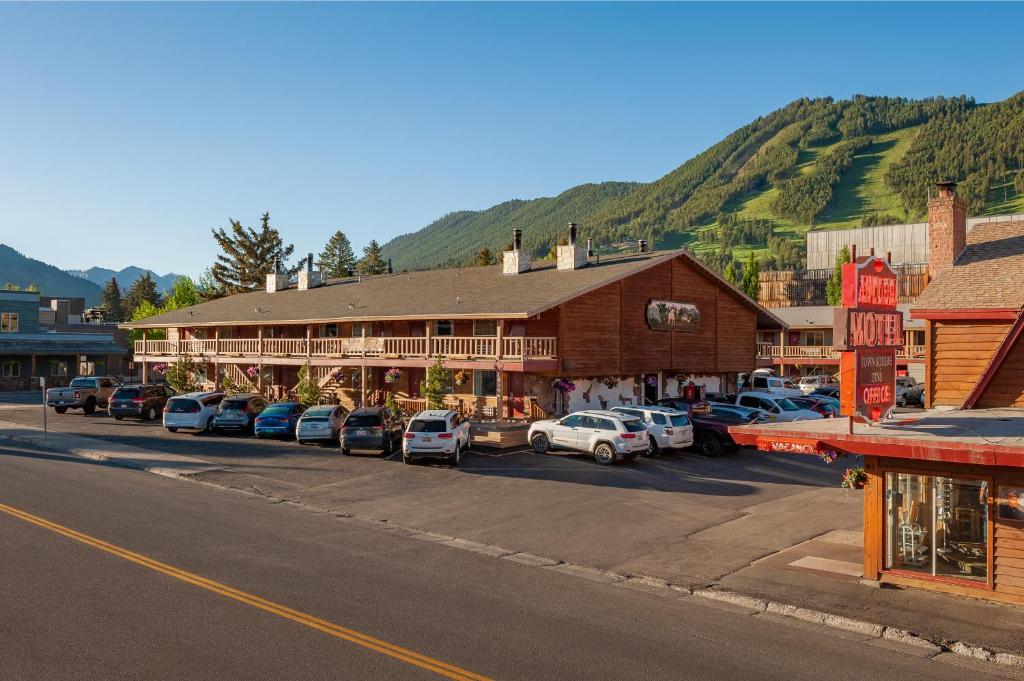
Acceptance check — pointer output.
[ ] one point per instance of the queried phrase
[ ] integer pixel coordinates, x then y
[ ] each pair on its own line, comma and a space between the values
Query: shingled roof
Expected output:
472, 292
989, 274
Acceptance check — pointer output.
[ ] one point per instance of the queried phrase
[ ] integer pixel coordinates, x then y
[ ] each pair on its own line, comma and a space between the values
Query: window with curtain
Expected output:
485, 383
9, 322
444, 327
485, 327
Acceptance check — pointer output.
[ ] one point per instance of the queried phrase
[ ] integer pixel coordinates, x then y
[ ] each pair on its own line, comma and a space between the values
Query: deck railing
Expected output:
454, 347
825, 352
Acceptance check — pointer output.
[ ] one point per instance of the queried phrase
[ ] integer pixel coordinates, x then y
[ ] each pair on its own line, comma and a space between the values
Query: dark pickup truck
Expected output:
711, 422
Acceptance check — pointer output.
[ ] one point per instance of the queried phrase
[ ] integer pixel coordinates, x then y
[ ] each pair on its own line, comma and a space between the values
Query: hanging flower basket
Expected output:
160, 368
393, 375
563, 385
462, 377
252, 371
828, 456
651, 381
854, 478
608, 381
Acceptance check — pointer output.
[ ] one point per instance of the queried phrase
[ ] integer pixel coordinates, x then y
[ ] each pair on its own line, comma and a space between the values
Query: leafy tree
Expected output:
184, 293
111, 301
337, 256
434, 386
307, 390
834, 287
208, 287
750, 282
372, 262
483, 257
142, 290
144, 310
249, 255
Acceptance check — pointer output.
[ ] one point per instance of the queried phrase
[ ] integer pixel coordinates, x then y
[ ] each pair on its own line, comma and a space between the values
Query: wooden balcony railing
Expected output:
765, 350
454, 347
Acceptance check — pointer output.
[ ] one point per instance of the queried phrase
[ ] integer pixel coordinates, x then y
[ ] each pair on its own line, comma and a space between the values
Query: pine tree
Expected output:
483, 258
337, 256
112, 303
373, 262
834, 287
750, 283
249, 255
434, 386
142, 290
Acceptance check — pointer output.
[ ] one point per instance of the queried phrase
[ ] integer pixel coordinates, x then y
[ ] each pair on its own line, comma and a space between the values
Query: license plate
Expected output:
426, 439
360, 432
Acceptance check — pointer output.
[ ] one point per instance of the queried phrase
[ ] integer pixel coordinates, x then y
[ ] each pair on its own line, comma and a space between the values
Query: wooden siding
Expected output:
960, 353
544, 324
1006, 389
737, 335
642, 349
590, 333
697, 352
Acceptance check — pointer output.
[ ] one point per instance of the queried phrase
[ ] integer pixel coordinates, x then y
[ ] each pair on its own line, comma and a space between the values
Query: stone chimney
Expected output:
947, 229
307, 277
571, 256
275, 280
517, 260
641, 245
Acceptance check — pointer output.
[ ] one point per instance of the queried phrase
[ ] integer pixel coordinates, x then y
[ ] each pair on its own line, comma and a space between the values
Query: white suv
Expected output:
192, 410
667, 428
436, 432
607, 435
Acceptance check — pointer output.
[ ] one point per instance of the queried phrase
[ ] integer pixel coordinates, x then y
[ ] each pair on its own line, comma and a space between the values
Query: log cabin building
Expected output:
944, 493
627, 329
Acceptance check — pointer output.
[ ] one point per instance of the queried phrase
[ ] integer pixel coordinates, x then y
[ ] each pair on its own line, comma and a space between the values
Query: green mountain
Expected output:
23, 271
813, 164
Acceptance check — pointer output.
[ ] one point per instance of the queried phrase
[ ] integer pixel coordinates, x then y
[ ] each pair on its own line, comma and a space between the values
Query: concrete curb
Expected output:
649, 583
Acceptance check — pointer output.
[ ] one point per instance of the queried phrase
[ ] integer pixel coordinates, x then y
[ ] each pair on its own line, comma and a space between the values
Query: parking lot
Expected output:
682, 516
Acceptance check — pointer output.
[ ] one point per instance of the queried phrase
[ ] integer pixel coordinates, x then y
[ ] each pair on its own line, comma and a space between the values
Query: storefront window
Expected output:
58, 367
12, 368
937, 526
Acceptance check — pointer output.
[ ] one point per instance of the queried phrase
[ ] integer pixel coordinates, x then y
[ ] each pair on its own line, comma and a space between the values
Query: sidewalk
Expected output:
811, 567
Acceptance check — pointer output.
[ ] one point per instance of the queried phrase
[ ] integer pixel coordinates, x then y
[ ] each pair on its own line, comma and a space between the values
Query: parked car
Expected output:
821, 406
781, 407
607, 435
775, 385
238, 412
667, 428
688, 407
194, 411
711, 431
321, 423
280, 418
827, 391
903, 384
808, 384
911, 395
143, 401
755, 414
436, 432
372, 428
85, 393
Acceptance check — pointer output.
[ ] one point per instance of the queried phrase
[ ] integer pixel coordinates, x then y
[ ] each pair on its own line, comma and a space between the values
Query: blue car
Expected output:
279, 419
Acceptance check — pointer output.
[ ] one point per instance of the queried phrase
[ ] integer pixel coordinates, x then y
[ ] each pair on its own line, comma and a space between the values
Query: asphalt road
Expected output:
75, 610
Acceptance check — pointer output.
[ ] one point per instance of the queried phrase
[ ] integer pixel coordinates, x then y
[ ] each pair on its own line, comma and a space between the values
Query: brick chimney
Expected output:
947, 229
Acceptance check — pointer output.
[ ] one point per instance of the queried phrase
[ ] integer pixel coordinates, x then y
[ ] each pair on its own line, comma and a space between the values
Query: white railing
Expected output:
764, 350
826, 352
456, 347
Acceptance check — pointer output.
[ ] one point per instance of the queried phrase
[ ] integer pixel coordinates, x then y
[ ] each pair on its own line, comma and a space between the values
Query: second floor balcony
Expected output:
405, 347
810, 353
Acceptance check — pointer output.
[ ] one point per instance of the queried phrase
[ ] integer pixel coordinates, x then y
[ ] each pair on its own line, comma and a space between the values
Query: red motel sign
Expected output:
867, 330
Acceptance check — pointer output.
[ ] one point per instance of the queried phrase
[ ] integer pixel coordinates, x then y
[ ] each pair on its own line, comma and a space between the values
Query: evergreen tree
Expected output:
372, 262
249, 255
208, 287
750, 282
434, 386
834, 287
337, 256
142, 290
483, 258
112, 303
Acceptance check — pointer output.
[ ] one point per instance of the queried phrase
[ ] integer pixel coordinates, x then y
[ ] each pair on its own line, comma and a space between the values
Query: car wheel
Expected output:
453, 460
711, 445
118, 418
604, 454
387, 449
346, 451
652, 448
406, 459
90, 406
172, 430
151, 414
541, 444
302, 442
61, 410
903, 401
208, 428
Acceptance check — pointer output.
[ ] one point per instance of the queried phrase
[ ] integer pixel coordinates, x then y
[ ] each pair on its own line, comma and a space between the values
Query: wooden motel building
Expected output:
944, 497
627, 329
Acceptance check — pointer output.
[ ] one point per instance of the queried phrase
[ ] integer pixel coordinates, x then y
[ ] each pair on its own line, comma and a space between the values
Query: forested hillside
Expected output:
22, 271
815, 163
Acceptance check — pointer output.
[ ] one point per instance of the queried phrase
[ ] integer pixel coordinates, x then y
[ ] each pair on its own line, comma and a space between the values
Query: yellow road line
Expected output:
344, 633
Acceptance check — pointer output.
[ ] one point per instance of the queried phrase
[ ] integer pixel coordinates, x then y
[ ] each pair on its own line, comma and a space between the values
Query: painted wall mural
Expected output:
668, 315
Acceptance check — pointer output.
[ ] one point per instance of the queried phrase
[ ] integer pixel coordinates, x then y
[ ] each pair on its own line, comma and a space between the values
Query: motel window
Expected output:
12, 368
485, 383
937, 526
815, 337
58, 368
328, 330
9, 322
357, 329
485, 327
444, 327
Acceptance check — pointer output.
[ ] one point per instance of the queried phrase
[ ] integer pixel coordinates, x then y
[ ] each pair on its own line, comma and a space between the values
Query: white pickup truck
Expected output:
85, 393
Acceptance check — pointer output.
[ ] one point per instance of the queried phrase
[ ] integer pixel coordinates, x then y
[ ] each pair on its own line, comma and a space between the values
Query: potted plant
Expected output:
462, 377
564, 385
393, 375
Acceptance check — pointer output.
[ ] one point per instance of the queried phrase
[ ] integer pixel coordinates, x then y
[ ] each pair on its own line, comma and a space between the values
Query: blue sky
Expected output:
128, 131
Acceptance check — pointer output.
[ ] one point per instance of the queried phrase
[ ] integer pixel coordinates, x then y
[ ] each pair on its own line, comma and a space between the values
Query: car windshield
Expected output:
679, 420
126, 393
634, 426
82, 383
425, 426
786, 405
362, 421
182, 405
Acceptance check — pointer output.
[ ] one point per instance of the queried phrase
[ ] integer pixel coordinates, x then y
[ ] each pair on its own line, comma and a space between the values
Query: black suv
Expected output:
372, 428
145, 401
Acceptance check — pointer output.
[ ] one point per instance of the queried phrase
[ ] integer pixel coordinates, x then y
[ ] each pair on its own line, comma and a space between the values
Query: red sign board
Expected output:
868, 330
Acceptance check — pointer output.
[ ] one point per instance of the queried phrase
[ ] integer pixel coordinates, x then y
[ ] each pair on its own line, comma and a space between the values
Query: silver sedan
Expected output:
320, 424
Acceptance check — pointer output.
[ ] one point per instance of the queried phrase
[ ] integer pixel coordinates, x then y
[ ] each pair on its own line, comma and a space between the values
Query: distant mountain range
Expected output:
19, 269
813, 164
125, 277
